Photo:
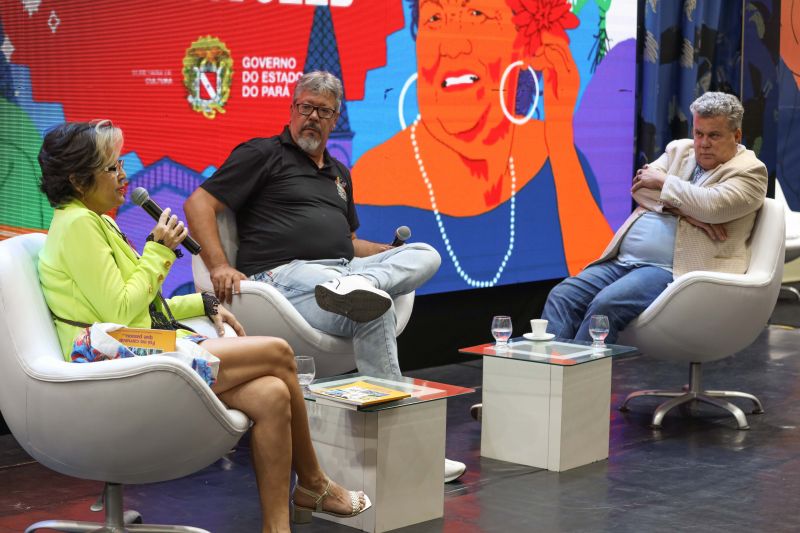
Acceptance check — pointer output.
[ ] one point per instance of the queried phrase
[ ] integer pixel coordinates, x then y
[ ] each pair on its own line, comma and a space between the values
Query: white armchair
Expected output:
704, 316
135, 420
263, 310
792, 235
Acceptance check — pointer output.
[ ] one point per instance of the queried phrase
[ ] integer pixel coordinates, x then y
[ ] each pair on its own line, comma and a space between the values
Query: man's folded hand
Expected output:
715, 232
225, 280
648, 178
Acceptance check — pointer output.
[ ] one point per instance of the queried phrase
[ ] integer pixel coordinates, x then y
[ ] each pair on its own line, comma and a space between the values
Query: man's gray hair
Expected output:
320, 82
715, 104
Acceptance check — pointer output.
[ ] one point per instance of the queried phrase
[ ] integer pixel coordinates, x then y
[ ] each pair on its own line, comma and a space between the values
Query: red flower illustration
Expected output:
533, 17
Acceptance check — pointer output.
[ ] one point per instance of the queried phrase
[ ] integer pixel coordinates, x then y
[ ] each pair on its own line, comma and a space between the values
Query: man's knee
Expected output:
432, 256
602, 305
560, 294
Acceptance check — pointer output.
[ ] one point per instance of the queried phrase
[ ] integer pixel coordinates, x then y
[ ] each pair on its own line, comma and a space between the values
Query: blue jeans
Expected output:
396, 271
620, 292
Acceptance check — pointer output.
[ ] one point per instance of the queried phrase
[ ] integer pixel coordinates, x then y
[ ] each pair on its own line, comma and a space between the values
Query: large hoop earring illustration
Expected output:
401, 102
509, 116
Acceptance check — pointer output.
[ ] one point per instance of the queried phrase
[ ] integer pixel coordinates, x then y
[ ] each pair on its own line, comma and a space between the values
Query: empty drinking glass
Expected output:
305, 370
598, 329
501, 329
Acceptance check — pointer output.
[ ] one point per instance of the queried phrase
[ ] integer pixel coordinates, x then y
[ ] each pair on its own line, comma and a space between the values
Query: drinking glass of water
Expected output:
501, 329
305, 370
598, 329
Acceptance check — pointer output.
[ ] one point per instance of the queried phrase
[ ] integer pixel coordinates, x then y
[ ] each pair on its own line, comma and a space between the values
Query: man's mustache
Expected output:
313, 127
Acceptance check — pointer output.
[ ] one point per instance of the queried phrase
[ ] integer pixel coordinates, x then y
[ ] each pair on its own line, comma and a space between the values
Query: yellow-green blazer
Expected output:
90, 274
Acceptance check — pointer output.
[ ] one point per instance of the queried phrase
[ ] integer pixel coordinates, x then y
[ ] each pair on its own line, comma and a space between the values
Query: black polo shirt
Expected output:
286, 207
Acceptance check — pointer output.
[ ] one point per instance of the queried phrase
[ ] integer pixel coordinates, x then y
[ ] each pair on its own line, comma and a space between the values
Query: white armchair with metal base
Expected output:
125, 421
705, 316
263, 310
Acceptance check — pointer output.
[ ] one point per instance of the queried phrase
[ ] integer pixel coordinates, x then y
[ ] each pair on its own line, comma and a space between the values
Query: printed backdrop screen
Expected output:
499, 131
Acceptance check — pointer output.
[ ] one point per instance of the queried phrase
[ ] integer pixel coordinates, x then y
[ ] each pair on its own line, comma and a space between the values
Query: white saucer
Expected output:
545, 337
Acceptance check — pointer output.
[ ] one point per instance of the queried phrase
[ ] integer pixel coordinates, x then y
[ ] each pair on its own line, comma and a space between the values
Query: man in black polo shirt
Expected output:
296, 221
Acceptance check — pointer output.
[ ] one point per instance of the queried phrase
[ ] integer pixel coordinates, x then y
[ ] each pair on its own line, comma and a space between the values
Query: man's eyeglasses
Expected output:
116, 169
322, 112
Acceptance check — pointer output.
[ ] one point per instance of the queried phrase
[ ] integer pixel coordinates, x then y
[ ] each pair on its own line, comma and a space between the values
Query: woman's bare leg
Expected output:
243, 359
265, 400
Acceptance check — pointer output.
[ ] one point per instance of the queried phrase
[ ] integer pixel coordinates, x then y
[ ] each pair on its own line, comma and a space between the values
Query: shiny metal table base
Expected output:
694, 393
116, 521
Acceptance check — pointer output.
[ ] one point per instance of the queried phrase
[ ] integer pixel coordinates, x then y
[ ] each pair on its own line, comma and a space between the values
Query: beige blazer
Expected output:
731, 195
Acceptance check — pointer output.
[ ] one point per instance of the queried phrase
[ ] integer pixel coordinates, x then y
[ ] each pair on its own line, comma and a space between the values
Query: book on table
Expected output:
357, 394
143, 341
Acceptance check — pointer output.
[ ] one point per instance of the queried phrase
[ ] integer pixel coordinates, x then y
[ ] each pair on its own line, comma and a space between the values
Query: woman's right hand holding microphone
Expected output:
169, 231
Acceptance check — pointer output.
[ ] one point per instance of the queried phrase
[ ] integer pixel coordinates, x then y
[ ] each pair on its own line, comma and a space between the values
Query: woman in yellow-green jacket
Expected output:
90, 273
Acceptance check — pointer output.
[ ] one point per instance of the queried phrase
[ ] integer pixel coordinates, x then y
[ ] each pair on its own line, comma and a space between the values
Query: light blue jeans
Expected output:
396, 271
621, 292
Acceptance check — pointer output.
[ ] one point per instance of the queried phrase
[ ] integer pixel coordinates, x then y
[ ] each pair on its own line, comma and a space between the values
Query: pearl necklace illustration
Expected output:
432, 196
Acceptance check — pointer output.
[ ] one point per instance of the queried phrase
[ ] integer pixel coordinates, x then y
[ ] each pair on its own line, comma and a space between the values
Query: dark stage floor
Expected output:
694, 475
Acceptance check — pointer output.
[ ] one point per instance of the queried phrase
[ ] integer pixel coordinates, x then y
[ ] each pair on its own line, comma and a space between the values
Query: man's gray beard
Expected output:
309, 144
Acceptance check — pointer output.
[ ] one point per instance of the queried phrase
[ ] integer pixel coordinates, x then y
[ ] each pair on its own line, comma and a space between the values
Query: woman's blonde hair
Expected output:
107, 140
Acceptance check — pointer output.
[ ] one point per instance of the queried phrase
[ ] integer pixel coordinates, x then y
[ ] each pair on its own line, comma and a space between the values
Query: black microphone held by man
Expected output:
140, 197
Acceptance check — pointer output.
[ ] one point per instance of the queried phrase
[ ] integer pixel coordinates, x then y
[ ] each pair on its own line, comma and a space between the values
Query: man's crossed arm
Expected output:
648, 183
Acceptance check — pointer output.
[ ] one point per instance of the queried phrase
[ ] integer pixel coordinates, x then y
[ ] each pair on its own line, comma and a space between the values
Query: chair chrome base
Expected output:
787, 291
116, 521
694, 393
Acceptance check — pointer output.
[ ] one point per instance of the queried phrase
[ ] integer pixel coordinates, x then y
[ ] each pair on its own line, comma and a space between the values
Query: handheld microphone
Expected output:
401, 235
140, 197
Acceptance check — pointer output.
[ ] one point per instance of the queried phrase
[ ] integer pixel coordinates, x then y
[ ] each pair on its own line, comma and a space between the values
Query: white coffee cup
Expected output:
539, 327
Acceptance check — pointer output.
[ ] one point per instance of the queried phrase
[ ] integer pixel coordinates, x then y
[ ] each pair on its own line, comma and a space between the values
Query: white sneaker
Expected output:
453, 470
353, 297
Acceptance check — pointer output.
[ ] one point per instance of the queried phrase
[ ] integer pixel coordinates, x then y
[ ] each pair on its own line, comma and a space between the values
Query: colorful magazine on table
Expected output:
357, 394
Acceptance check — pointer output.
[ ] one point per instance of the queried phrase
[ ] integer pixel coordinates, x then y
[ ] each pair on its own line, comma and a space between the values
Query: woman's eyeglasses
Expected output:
116, 169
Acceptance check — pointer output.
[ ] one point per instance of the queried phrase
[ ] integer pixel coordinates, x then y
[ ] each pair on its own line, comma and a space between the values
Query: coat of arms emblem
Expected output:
207, 74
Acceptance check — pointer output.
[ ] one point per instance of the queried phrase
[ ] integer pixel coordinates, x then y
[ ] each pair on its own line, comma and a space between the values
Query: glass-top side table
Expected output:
564, 352
393, 451
421, 390
552, 414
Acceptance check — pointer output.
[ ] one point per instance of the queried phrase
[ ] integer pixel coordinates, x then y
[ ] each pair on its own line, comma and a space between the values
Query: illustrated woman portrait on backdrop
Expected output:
477, 156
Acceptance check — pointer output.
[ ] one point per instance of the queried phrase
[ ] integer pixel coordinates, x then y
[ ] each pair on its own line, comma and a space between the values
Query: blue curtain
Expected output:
688, 47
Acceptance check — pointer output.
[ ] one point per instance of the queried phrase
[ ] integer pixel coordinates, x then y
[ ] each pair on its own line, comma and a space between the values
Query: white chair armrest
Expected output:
403, 305
204, 326
263, 310
157, 405
47, 370
699, 316
714, 285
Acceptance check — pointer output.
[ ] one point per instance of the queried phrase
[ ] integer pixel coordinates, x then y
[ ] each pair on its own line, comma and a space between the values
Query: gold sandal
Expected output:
302, 515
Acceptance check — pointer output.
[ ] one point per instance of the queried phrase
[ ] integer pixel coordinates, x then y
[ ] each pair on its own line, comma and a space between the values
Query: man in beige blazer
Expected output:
696, 205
